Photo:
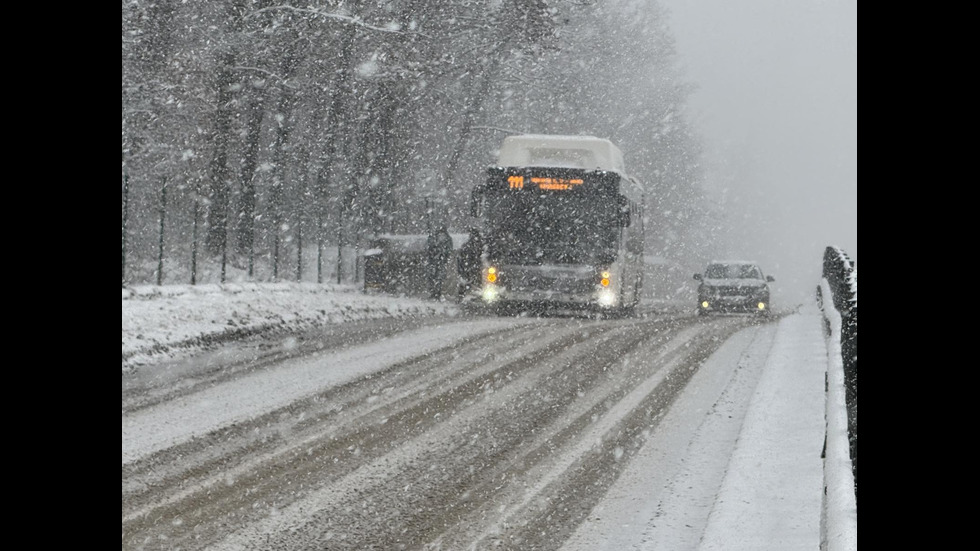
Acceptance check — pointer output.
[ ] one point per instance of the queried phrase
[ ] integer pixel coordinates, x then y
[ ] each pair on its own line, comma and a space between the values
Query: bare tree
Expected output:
333, 113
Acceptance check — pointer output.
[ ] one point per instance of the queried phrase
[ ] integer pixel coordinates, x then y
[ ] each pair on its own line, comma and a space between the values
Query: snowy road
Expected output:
454, 433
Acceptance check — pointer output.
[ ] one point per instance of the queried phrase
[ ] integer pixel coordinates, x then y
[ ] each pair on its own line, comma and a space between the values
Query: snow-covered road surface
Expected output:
469, 432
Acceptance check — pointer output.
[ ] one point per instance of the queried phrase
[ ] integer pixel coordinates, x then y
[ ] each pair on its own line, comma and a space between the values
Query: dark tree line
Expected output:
280, 132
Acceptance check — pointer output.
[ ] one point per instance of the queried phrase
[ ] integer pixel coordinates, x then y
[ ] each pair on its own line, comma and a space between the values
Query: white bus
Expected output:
563, 226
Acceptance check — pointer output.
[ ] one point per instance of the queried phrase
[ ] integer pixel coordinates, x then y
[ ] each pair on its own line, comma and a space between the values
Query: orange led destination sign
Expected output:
556, 183
517, 182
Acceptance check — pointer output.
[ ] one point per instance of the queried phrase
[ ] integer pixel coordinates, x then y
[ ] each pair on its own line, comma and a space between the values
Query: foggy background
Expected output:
776, 103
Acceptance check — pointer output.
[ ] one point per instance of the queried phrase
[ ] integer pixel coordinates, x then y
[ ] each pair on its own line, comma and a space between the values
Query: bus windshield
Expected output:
553, 228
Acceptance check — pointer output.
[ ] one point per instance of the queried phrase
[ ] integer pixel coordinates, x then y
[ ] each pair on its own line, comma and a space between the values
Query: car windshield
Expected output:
732, 271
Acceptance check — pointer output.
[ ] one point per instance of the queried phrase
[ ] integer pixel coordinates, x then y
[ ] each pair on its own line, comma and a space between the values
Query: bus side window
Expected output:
624, 211
475, 203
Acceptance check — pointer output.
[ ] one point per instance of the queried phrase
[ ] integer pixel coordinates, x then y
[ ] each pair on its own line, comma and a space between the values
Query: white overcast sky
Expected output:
777, 105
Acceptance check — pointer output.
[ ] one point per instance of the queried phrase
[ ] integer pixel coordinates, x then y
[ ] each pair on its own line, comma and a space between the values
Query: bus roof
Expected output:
587, 152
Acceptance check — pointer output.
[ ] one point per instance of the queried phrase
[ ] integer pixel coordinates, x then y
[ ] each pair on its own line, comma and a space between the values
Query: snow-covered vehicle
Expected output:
563, 226
733, 286
395, 263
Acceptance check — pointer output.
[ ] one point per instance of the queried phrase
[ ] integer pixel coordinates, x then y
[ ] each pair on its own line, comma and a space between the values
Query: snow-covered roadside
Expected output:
171, 423
771, 493
759, 448
158, 322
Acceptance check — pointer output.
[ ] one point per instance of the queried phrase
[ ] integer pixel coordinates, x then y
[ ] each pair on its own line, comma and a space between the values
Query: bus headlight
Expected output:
490, 293
606, 298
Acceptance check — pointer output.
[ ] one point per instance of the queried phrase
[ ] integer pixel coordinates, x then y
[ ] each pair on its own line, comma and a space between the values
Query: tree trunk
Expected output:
125, 219
194, 244
163, 216
219, 192
469, 118
280, 156
246, 203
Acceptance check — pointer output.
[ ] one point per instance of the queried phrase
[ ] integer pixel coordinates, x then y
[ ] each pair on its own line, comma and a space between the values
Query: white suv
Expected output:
733, 286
